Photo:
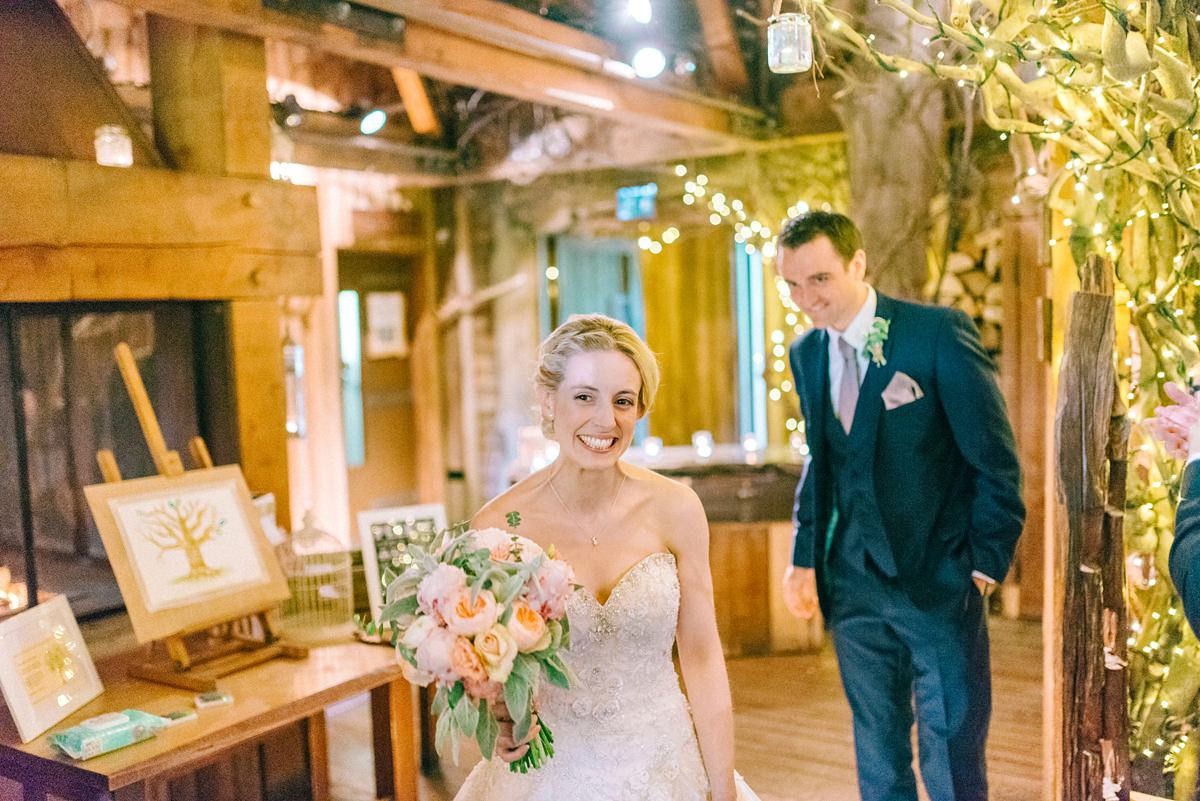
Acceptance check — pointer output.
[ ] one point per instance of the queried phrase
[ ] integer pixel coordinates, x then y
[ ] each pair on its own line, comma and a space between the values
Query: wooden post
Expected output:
1025, 381
212, 117
1090, 442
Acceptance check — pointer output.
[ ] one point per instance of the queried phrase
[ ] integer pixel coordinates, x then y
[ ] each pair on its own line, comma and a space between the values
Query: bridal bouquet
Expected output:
482, 614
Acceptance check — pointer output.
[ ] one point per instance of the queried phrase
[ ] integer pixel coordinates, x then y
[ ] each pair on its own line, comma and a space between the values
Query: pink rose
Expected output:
528, 628
417, 631
433, 655
466, 662
491, 690
440, 589
415, 675
549, 588
469, 617
497, 650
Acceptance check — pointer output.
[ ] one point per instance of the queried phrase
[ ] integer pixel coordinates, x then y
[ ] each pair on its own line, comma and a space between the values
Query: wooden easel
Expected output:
194, 659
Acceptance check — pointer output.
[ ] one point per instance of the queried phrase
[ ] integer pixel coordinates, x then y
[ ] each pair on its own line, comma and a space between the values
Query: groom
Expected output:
907, 515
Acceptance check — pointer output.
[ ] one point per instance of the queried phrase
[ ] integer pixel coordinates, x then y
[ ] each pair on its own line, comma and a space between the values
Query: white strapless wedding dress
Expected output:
624, 731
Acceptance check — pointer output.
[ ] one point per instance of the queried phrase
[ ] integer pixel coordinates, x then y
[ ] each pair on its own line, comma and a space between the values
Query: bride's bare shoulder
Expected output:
495, 513
663, 488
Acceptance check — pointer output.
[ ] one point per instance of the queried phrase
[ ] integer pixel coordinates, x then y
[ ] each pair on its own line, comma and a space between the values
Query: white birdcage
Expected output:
319, 577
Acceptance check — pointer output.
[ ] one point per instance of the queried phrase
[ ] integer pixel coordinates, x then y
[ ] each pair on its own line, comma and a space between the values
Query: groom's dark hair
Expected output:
840, 230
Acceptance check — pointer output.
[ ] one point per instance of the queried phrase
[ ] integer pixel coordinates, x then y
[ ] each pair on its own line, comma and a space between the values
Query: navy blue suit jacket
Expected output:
945, 473
1185, 548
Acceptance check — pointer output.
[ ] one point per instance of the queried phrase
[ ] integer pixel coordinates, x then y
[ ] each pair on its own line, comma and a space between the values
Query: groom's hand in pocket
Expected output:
508, 748
800, 591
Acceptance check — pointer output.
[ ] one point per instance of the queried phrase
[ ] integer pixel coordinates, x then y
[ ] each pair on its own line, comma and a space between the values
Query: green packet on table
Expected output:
107, 732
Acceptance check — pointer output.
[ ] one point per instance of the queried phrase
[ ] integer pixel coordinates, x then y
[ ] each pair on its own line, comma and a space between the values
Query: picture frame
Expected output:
385, 535
188, 551
46, 672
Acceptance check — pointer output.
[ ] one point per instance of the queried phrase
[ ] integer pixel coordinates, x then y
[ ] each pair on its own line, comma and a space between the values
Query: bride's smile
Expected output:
596, 407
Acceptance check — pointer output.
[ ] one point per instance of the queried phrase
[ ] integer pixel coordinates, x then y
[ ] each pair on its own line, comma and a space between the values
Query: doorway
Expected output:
378, 400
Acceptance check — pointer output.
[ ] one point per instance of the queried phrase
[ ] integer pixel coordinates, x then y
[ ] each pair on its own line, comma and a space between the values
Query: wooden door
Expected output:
377, 386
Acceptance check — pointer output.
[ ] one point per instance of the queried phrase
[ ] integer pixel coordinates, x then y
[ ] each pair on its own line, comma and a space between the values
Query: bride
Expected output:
638, 543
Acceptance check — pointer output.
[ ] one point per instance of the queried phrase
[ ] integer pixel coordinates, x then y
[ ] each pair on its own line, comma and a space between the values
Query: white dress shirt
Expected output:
856, 335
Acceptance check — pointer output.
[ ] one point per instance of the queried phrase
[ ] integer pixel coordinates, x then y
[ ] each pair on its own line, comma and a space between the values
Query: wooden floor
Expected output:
793, 729
792, 723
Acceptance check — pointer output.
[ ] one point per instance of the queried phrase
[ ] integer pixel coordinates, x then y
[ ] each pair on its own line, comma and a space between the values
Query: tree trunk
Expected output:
895, 141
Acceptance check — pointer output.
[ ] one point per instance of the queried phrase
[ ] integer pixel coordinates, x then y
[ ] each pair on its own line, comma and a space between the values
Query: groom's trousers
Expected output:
894, 657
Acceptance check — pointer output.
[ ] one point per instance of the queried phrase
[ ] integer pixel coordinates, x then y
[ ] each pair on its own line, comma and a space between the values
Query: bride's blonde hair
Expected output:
594, 332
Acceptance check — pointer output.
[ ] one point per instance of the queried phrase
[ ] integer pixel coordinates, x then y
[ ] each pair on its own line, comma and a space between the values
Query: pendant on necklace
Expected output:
594, 542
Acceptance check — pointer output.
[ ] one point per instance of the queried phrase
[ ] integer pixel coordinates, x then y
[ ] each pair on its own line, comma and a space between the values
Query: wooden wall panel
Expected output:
688, 297
739, 558
80, 231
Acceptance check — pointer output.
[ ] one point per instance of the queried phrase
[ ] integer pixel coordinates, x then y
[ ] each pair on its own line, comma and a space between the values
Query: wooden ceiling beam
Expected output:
416, 102
558, 73
76, 230
716, 22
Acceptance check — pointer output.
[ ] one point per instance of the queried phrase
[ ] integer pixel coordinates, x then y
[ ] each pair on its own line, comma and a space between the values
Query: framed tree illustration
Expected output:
188, 551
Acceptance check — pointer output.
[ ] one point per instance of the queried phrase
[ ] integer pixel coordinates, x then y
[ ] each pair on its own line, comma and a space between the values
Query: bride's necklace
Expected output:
595, 538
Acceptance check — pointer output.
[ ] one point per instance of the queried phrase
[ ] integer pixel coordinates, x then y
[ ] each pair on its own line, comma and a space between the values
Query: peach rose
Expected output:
504, 546
433, 655
491, 690
469, 617
497, 650
465, 661
495, 540
528, 628
439, 590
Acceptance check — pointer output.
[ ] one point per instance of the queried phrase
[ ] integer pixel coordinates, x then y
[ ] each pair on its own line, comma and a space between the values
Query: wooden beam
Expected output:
228, 106
724, 53
416, 102
559, 74
75, 230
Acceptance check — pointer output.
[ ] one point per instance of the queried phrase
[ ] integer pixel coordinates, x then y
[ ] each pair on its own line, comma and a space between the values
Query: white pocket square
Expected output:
901, 390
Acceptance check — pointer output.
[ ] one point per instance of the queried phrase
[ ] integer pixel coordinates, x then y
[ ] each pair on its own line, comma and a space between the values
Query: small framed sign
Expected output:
46, 672
386, 535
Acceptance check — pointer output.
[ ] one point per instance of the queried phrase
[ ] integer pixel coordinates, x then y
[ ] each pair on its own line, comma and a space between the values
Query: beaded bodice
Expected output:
623, 731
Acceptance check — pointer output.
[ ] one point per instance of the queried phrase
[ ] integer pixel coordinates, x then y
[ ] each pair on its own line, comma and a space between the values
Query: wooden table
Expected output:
224, 747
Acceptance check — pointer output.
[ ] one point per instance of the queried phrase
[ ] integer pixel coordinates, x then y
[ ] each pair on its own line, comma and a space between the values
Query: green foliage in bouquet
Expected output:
482, 615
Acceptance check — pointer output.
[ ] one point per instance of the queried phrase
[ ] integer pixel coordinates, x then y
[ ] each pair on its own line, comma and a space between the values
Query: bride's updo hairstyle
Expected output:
594, 332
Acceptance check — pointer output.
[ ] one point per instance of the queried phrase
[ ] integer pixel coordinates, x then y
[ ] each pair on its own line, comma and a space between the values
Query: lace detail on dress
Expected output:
623, 731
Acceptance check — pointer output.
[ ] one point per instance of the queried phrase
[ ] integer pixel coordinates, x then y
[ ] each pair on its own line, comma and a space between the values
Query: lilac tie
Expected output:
848, 388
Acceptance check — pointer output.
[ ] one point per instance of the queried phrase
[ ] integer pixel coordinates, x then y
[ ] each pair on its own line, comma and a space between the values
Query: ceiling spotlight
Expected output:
372, 121
684, 64
289, 112
649, 62
640, 11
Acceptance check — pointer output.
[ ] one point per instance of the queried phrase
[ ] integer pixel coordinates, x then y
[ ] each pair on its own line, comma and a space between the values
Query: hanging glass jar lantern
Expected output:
789, 42
114, 148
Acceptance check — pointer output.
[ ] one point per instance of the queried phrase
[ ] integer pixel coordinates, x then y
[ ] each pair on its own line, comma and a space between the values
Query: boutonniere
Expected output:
875, 339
